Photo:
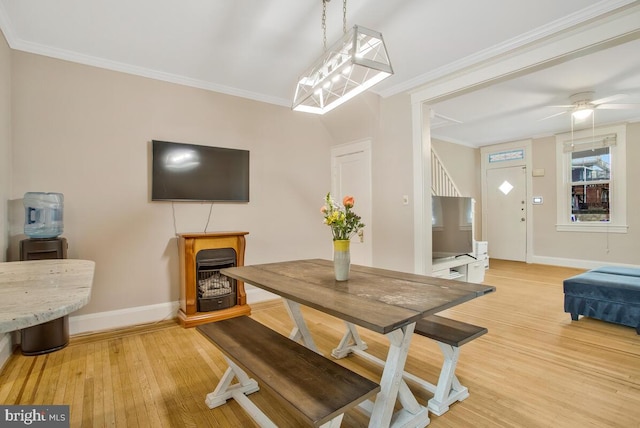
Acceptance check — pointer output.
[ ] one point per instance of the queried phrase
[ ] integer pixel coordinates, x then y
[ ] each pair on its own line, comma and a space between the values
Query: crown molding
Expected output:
598, 12
18, 44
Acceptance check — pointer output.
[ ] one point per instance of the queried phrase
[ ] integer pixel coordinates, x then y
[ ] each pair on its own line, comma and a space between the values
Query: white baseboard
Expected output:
576, 263
109, 320
6, 348
256, 295
120, 318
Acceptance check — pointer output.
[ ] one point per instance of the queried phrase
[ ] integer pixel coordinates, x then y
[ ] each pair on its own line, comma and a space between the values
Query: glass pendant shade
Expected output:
351, 66
582, 113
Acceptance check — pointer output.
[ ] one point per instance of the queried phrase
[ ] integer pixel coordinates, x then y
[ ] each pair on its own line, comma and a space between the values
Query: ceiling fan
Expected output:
582, 105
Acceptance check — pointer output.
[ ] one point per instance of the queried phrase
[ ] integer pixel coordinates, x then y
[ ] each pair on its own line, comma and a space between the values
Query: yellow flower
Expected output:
344, 223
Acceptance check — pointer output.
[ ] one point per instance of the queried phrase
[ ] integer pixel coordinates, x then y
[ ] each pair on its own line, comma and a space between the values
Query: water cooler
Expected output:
43, 225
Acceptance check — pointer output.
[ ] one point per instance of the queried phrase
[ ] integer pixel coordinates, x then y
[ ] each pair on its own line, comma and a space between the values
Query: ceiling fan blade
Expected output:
618, 106
553, 115
565, 106
608, 99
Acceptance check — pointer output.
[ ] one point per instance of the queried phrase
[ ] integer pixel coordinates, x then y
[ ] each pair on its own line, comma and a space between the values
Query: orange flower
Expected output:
348, 201
323, 209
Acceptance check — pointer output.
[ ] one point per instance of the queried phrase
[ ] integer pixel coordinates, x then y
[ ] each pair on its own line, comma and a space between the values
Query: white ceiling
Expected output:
257, 48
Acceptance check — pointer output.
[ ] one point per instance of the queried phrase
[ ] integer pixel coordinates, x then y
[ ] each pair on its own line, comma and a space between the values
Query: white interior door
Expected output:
351, 175
507, 214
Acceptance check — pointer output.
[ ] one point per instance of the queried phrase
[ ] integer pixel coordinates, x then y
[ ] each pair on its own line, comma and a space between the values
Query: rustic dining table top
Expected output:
380, 300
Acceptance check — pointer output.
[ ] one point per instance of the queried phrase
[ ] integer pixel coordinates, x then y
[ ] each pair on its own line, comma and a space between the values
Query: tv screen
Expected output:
190, 172
452, 226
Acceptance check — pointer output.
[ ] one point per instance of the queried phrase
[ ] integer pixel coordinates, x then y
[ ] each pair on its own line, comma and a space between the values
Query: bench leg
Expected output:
449, 390
350, 342
239, 391
225, 390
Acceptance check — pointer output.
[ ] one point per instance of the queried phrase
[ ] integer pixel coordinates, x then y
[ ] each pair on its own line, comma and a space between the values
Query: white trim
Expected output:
608, 24
577, 263
119, 318
520, 42
22, 45
420, 122
618, 182
6, 348
256, 295
586, 227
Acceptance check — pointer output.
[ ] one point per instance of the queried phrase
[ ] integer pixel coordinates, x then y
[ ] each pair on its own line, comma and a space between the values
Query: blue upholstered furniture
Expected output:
608, 293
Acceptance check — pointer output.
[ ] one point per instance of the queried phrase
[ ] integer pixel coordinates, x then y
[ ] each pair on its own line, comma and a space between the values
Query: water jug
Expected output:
43, 214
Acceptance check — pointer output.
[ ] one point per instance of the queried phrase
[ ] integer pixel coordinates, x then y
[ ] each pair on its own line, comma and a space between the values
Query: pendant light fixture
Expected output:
349, 67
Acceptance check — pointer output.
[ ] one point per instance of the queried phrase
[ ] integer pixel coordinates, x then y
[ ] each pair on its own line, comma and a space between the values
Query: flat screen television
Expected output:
190, 172
451, 226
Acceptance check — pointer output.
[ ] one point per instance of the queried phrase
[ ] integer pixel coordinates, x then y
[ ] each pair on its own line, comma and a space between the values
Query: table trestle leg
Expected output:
300, 332
392, 385
351, 342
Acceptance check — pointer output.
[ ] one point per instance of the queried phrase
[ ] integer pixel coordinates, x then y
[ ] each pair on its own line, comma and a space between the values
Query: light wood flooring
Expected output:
535, 367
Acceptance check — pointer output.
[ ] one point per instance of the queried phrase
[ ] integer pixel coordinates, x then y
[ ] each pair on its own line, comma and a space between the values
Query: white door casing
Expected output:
351, 175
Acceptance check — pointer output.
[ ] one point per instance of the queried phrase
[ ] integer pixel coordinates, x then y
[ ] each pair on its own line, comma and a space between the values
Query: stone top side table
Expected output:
38, 291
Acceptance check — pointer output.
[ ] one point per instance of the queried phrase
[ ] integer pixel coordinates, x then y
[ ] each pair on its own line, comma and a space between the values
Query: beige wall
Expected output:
548, 244
85, 132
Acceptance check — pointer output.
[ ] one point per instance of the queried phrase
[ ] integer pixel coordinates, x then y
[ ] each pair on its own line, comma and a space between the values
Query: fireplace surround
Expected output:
205, 294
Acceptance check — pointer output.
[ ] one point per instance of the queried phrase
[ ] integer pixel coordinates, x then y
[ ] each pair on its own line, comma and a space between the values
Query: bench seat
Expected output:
316, 388
445, 330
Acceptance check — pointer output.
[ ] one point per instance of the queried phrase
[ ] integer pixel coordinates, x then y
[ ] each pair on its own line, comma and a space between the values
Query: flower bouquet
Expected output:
344, 223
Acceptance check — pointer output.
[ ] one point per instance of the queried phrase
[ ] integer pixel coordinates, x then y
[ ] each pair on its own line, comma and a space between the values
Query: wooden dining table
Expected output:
384, 301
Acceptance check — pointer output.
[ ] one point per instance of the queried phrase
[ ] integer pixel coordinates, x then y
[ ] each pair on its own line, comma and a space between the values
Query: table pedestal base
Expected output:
44, 338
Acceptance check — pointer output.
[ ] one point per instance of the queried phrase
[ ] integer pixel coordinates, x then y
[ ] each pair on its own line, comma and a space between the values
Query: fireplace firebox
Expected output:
215, 290
206, 294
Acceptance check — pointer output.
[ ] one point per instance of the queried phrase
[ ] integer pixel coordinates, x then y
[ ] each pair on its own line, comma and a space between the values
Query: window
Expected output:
592, 180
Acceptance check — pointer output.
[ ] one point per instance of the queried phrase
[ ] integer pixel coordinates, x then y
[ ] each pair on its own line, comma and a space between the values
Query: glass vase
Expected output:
341, 259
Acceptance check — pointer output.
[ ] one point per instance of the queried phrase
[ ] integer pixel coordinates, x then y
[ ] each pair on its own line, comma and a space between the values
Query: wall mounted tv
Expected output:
451, 226
190, 172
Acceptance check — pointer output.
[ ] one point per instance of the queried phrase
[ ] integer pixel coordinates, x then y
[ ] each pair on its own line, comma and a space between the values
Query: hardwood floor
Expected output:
535, 367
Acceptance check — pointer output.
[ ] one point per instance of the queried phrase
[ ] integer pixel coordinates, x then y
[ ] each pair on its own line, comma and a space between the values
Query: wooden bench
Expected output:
450, 336
316, 388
